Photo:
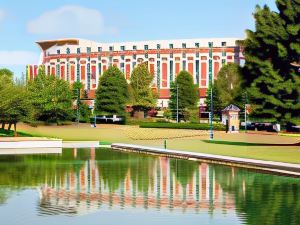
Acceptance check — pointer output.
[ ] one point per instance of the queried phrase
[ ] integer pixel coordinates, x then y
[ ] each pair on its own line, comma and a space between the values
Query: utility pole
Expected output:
246, 101
211, 133
78, 99
177, 103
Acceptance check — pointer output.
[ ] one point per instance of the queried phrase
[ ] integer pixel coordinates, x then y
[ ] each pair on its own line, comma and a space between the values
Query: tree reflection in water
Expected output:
86, 180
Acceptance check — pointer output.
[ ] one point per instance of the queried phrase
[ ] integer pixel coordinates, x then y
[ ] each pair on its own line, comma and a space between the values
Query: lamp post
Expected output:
78, 101
246, 101
177, 103
211, 134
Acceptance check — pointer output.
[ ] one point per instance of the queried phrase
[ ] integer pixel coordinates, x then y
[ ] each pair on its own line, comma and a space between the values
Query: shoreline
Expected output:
279, 168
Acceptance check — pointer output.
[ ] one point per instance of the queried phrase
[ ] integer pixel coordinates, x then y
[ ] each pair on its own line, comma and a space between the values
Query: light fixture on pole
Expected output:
177, 103
211, 134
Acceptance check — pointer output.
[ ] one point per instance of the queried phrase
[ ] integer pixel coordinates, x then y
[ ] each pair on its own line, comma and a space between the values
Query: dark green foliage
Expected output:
112, 93
6, 72
188, 95
14, 101
51, 98
271, 54
227, 89
85, 113
192, 126
141, 93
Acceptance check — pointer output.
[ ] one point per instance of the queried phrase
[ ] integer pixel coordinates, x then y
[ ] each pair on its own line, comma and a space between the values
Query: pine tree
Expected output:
271, 53
112, 93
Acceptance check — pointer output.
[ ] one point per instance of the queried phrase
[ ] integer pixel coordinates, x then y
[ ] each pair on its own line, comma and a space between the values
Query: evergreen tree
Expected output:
112, 93
51, 98
271, 53
188, 94
140, 85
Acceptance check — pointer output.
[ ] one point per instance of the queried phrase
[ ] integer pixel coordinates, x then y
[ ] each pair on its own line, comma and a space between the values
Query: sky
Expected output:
22, 23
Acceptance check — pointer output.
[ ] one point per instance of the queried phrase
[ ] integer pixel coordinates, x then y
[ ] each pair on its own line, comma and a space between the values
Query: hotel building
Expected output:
85, 61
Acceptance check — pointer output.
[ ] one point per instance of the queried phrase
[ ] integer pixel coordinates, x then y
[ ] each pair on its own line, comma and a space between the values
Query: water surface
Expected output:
101, 186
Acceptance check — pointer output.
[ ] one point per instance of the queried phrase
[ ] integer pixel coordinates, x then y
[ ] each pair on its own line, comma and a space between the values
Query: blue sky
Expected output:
24, 22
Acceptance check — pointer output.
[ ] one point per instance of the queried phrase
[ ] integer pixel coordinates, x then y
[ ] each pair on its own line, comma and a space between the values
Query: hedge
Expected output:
193, 126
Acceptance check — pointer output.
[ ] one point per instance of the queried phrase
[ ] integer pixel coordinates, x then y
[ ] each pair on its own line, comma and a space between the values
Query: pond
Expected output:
101, 186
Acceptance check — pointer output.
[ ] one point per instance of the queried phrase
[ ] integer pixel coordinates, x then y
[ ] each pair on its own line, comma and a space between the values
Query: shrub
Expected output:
193, 126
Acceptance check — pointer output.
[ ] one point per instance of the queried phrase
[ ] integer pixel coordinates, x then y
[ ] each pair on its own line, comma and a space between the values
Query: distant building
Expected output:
85, 61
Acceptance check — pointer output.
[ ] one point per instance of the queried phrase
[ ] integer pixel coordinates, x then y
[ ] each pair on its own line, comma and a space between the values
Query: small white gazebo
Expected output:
230, 118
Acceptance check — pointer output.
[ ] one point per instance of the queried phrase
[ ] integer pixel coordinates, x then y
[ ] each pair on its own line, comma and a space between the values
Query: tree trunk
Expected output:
15, 130
3, 125
9, 126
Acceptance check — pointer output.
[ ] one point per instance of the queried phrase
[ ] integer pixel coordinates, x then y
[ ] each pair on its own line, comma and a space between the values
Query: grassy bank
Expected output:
246, 145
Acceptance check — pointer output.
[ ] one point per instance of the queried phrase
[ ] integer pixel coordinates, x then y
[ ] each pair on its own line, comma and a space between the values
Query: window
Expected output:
223, 53
158, 55
184, 65
183, 45
210, 44
197, 45
171, 46
122, 65
134, 56
158, 46
146, 55
78, 50
223, 44
122, 48
122, 57
111, 48
99, 49
223, 61
134, 47
171, 55
68, 50
184, 55
88, 50
58, 52
146, 47
197, 54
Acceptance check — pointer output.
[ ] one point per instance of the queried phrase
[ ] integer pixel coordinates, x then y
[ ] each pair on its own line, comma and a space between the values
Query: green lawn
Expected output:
266, 147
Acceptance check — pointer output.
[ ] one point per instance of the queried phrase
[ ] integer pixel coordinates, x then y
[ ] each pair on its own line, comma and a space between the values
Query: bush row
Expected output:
193, 126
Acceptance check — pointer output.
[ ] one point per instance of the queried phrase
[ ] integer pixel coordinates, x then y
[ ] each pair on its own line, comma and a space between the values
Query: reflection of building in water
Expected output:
84, 189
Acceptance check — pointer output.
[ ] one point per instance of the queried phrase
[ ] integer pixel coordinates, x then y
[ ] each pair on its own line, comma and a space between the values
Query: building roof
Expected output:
231, 107
49, 43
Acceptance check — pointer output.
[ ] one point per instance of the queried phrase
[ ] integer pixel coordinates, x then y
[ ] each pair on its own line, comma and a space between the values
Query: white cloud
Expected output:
18, 58
69, 20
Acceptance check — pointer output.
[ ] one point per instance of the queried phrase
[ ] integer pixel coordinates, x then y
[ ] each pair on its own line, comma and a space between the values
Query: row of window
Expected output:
134, 47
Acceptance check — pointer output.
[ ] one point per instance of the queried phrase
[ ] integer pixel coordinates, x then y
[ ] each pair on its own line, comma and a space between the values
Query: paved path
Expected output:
29, 142
271, 166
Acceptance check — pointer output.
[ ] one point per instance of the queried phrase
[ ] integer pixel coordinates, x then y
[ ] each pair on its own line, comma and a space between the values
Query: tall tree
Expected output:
112, 93
14, 102
227, 89
51, 98
188, 94
140, 82
7, 72
271, 53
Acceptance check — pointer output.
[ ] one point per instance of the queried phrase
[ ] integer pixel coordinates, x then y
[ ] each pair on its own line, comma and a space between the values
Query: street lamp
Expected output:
177, 103
211, 134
